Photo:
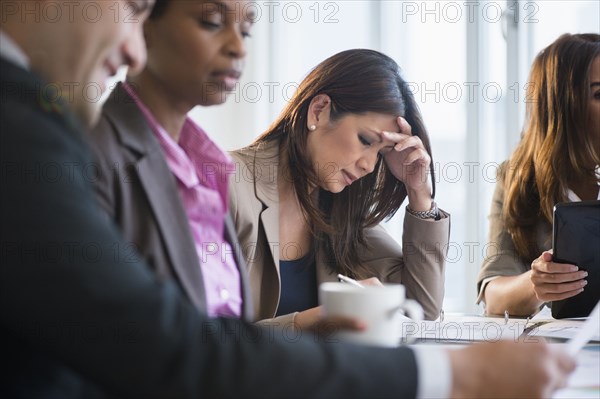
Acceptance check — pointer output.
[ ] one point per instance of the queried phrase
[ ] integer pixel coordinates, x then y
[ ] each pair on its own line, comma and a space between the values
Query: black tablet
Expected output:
576, 240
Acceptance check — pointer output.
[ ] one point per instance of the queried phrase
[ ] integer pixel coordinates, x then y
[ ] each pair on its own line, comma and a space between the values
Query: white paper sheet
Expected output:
468, 329
589, 329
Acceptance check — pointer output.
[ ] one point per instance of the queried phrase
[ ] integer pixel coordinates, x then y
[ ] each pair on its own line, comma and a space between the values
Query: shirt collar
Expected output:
11, 51
195, 158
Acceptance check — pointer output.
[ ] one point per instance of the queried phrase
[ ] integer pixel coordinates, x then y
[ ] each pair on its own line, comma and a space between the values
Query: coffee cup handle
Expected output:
412, 309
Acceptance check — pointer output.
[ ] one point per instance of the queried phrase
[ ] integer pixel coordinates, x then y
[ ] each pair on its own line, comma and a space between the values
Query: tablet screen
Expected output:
576, 240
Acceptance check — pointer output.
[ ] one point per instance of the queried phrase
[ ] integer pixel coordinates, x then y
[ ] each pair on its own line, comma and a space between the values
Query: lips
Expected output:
228, 77
349, 177
232, 73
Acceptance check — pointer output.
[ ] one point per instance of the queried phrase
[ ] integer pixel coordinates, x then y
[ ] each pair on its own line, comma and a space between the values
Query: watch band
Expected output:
432, 213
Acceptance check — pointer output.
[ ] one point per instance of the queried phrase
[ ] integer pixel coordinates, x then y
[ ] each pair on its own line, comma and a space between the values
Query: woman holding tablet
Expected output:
556, 161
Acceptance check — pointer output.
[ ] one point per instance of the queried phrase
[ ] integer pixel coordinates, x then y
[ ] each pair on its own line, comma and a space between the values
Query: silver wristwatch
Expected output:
432, 213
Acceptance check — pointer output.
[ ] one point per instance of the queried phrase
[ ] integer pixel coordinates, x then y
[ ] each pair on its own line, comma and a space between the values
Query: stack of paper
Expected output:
461, 328
543, 325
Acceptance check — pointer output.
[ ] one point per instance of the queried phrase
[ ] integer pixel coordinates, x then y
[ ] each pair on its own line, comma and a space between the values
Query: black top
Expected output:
298, 285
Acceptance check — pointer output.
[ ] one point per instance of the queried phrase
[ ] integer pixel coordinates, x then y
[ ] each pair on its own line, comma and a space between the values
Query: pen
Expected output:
525, 330
350, 281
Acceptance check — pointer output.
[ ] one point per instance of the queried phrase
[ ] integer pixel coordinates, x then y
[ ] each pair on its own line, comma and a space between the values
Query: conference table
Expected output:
453, 331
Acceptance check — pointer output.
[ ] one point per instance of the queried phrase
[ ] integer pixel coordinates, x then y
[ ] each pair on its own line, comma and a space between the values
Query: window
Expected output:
467, 62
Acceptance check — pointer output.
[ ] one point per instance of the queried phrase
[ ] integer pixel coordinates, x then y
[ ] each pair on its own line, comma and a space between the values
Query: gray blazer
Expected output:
254, 206
138, 190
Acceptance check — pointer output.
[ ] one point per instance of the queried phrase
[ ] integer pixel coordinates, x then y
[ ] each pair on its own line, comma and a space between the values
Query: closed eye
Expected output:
246, 28
139, 6
210, 25
385, 150
364, 141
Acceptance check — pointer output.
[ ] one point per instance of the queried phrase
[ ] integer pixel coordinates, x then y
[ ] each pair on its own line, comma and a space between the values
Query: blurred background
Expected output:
467, 62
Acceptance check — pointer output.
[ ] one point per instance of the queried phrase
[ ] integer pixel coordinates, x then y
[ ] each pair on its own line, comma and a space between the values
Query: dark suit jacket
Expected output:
136, 187
77, 311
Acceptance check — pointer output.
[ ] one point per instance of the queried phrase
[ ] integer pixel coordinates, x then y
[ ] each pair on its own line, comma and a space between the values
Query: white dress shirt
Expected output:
12, 52
434, 373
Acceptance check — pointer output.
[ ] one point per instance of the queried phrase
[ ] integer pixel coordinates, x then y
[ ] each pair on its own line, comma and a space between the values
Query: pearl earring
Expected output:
312, 128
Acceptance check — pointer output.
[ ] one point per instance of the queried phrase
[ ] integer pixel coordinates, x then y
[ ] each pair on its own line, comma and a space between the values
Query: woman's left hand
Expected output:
409, 161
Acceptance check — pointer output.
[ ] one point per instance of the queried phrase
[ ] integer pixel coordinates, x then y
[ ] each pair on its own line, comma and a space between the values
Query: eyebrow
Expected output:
378, 133
595, 84
250, 15
147, 5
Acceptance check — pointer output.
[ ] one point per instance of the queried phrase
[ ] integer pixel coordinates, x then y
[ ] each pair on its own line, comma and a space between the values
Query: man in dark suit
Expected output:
82, 317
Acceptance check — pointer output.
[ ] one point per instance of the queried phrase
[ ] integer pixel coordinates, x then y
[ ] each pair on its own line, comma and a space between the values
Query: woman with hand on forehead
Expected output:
344, 155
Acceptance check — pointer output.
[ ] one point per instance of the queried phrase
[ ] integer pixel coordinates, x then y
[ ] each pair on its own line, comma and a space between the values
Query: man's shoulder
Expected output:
30, 116
27, 129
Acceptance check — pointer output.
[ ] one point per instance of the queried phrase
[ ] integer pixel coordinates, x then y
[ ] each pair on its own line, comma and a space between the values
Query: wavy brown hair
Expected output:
556, 146
358, 82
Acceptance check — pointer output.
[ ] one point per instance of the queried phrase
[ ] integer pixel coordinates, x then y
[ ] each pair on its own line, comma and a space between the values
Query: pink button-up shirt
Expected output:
200, 168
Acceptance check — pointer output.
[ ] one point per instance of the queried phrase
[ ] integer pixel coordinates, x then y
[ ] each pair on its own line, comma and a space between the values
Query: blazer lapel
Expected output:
232, 238
161, 191
173, 224
265, 185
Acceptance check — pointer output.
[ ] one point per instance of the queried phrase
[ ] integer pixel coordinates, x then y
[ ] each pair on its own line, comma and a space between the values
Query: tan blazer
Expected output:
254, 207
138, 190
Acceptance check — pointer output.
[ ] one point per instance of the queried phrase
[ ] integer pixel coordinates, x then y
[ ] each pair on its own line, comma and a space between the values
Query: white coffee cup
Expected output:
379, 307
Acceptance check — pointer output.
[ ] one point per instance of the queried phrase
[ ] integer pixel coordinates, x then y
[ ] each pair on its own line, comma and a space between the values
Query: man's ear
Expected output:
318, 111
